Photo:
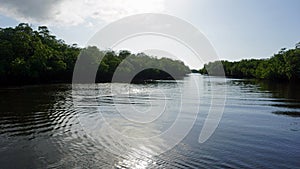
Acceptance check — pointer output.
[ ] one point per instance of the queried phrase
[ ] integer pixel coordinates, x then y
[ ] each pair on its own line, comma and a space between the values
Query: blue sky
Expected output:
237, 28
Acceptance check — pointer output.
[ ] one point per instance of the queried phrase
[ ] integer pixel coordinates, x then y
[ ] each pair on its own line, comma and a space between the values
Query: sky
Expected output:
237, 29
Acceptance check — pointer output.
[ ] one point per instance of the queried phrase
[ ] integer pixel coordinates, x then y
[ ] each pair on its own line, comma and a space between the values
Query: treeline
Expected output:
30, 56
283, 66
125, 64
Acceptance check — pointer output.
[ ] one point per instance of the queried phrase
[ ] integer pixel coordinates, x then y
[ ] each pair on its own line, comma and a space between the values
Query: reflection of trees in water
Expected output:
28, 110
284, 90
28, 118
287, 94
290, 94
281, 90
287, 113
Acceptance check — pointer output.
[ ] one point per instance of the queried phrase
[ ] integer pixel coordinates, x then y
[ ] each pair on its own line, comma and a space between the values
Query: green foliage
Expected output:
284, 66
126, 64
28, 56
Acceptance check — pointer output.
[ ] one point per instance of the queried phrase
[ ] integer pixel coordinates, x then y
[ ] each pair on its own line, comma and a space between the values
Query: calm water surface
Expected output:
49, 126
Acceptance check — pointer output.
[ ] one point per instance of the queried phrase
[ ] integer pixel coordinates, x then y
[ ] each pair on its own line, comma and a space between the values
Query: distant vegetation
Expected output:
30, 56
283, 66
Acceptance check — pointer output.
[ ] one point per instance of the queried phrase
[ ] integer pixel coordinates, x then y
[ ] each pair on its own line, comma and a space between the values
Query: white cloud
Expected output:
75, 12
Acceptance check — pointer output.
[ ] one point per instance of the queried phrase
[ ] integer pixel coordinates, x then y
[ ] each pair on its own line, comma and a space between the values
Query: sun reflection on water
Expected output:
137, 159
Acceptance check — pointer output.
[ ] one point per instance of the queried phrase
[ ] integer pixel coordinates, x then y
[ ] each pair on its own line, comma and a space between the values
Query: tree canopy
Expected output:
30, 56
283, 66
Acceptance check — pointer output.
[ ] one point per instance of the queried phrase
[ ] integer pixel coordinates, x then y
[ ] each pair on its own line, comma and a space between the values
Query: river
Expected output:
122, 125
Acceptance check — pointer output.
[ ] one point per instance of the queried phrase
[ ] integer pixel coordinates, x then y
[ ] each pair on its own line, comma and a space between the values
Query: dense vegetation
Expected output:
283, 66
30, 56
